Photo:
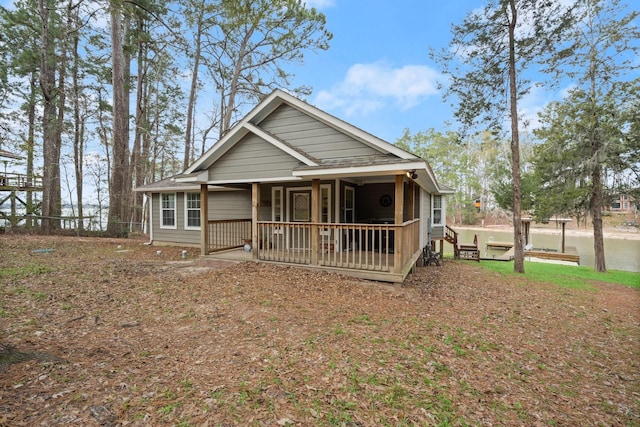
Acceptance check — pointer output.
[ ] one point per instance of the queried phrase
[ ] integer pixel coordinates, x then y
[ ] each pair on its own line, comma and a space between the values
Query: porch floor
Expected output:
237, 254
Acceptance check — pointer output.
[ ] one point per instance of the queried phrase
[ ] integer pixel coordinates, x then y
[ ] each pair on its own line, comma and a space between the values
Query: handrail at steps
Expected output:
451, 236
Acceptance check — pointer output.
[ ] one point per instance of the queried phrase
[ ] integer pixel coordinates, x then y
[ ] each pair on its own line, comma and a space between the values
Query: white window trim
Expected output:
441, 209
326, 231
329, 202
175, 212
277, 230
348, 188
186, 211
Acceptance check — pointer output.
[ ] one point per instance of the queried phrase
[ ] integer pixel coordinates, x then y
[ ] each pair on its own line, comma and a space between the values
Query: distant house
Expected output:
623, 203
295, 185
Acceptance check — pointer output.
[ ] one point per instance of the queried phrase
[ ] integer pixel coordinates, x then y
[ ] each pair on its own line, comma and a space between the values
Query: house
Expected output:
295, 185
622, 202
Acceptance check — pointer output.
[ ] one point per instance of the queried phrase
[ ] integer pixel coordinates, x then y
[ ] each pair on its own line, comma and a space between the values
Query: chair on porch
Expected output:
430, 256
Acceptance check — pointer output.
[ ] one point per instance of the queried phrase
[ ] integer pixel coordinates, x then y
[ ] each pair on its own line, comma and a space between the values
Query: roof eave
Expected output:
355, 170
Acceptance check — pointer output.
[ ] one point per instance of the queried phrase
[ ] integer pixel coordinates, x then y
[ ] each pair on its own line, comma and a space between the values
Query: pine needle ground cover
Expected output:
108, 332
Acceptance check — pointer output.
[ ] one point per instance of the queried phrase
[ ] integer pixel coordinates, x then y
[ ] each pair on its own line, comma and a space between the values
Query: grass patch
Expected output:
15, 273
569, 276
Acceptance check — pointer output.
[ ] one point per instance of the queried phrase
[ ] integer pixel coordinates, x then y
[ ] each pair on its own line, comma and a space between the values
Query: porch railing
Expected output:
374, 247
20, 181
228, 233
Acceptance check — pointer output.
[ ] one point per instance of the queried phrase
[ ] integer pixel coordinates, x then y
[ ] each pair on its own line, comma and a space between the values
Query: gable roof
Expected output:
380, 156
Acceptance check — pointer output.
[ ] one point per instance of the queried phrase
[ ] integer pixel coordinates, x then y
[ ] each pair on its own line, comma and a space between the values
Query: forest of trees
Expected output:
147, 84
120, 93
588, 142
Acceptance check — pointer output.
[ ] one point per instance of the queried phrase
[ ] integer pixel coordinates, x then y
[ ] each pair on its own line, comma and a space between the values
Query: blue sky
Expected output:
377, 74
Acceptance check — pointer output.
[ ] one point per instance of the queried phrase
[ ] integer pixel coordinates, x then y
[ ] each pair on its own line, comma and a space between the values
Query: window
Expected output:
301, 206
192, 210
325, 203
437, 210
276, 208
276, 204
349, 204
168, 211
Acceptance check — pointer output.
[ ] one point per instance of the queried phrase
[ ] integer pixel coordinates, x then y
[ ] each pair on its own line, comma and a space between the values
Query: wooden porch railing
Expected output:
20, 181
373, 247
228, 234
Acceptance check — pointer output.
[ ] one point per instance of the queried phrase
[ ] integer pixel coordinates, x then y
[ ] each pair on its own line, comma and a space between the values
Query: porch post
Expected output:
204, 219
315, 219
399, 216
255, 206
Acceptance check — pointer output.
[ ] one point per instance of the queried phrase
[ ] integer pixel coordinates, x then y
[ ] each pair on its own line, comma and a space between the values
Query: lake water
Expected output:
620, 253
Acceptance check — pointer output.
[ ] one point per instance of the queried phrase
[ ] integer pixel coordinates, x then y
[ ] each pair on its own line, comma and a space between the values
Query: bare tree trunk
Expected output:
30, 144
141, 127
596, 175
104, 138
118, 190
233, 89
188, 142
596, 213
518, 264
78, 133
50, 143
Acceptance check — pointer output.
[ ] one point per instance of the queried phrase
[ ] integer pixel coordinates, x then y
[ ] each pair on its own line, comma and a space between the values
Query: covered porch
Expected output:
318, 224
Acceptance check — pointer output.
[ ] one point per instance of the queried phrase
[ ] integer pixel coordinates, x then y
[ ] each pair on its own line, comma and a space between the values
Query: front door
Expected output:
299, 202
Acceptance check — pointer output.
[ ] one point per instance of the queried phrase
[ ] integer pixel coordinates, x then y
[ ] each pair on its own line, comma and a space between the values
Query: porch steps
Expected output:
462, 250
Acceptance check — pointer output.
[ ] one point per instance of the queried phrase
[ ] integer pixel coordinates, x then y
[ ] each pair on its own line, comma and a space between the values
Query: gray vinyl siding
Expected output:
425, 199
177, 235
222, 205
312, 136
230, 205
252, 158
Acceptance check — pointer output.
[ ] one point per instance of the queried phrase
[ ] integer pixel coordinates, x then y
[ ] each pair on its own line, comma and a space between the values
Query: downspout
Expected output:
150, 196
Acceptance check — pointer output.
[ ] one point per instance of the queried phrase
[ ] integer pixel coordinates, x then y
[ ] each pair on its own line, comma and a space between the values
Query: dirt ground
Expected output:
106, 332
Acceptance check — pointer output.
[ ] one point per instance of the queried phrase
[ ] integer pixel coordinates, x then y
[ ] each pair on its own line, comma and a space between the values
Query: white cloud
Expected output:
369, 87
319, 4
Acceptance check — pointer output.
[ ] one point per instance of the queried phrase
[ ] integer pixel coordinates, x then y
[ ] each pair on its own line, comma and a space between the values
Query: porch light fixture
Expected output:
412, 174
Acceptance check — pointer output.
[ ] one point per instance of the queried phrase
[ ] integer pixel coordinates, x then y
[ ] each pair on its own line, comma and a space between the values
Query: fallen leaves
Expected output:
147, 339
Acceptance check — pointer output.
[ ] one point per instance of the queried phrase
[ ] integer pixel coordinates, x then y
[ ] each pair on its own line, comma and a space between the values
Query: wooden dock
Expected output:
499, 245
570, 255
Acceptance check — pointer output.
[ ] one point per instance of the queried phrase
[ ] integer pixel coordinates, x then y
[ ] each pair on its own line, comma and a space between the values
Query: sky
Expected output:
377, 74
